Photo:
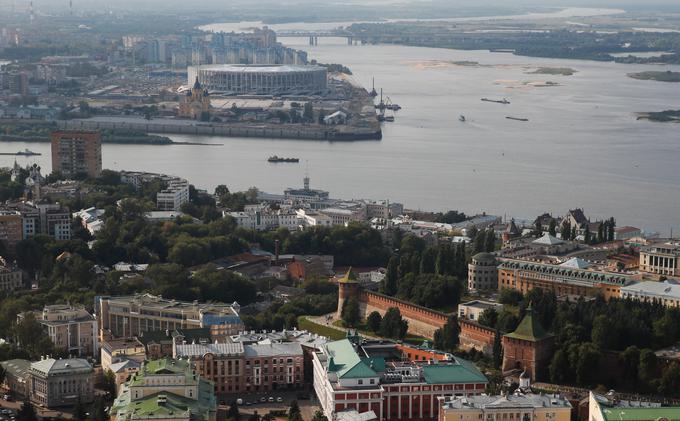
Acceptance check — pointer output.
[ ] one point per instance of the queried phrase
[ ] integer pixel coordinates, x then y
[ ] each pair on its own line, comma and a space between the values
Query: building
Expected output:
11, 228
515, 407
91, 219
11, 277
130, 316
167, 390
626, 233
665, 293
235, 367
353, 374
242, 79
44, 218
563, 280
114, 351
602, 408
661, 258
529, 348
71, 329
483, 273
305, 194
76, 153
196, 103
17, 377
473, 309
55, 383
173, 196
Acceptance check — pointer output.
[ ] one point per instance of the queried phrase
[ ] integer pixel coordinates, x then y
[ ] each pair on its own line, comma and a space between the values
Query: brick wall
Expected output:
474, 335
421, 321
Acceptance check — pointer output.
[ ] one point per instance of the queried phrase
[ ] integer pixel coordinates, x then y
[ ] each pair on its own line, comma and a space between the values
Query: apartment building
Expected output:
11, 278
11, 231
130, 316
77, 152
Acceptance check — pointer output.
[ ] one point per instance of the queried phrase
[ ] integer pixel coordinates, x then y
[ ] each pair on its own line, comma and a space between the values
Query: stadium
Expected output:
235, 79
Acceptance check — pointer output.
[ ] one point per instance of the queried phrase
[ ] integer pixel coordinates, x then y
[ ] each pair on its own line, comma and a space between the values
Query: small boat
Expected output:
393, 107
517, 118
462, 118
502, 101
276, 159
27, 152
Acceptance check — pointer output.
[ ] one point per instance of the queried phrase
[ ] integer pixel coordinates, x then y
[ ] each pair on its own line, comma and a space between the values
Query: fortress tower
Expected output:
347, 288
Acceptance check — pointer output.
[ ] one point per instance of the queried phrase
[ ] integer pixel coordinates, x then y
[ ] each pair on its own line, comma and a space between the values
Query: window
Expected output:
360, 381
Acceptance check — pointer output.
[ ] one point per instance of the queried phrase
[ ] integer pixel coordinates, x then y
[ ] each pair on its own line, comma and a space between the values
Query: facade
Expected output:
91, 219
626, 233
11, 278
11, 231
352, 374
42, 217
115, 351
17, 377
562, 280
55, 383
260, 79
601, 408
196, 103
173, 196
515, 407
483, 272
235, 367
71, 329
166, 390
77, 152
661, 258
529, 348
130, 316
665, 293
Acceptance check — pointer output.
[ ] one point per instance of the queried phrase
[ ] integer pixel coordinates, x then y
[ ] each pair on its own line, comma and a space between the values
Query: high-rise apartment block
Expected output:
77, 152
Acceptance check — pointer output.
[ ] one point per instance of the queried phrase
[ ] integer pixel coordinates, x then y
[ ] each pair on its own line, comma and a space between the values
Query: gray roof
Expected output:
124, 365
661, 290
508, 401
267, 68
273, 350
199, 350
52, 367
576, 263
548, 240
17, 368
570, 275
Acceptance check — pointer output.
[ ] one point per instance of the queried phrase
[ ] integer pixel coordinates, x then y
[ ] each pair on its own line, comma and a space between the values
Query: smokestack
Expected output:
276, 252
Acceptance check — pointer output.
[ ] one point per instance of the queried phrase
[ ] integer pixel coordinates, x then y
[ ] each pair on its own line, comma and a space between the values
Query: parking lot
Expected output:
281, 401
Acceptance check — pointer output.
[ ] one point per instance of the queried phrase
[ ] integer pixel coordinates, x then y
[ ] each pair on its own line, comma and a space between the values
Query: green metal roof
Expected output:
529, 329
162, 367
346, 362
461, 372
640, 414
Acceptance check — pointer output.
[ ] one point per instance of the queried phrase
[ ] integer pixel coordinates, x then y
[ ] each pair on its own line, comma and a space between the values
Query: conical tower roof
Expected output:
529, 329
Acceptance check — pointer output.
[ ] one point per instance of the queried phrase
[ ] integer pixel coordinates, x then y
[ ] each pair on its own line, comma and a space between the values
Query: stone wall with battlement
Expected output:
474, 335
421, 321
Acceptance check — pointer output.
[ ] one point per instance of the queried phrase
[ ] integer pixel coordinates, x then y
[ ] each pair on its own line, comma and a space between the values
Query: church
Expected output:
196, 103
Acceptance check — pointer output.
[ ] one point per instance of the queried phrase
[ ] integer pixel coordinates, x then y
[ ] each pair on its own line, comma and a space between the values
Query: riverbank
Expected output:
191, 127
667, 76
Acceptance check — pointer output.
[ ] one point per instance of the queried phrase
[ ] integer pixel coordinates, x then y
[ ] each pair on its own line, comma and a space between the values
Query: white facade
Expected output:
313, 219
172, 198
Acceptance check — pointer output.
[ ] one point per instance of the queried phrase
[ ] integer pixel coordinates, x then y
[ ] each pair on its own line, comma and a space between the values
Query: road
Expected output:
307, 406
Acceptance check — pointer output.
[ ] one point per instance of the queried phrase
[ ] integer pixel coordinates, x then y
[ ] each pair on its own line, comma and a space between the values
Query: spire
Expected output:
197, 84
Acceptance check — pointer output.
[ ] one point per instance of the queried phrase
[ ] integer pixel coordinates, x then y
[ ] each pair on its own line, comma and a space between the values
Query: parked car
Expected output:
263, 399
279, 399
271, 399
239, 401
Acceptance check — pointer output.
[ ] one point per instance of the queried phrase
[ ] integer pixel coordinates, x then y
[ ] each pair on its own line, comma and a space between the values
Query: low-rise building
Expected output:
91, 218
130, 316
515, 407
17, 377
664, 293
56, 383
11, 277
114, 351
473, 309
71, 329
483, 272
662, 258
365, 376
165, 390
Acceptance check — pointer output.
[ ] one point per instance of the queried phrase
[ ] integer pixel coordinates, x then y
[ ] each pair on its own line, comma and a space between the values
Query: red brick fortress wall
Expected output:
421, 321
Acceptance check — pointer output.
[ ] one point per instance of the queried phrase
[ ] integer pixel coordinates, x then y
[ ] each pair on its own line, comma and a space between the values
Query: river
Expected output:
582, 145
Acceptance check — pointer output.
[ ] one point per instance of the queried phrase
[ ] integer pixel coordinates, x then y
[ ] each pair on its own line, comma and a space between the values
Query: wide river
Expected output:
582, 145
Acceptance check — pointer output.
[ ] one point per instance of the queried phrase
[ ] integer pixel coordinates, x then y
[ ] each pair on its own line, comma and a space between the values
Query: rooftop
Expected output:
200, 350
507, 402
573, 275
657, 289
264, 68
529, 329
52, 367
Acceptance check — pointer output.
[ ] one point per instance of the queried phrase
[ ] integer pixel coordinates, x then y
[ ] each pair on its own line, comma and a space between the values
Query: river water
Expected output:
582, 145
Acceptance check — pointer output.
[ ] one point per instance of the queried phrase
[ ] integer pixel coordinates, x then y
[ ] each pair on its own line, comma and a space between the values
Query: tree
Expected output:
27, 335
566, 231
447, 338
552, 230
587, 364
560, 370
308, 113
293, 410
538, 228
510, 296
389, 286
3, 373
27, 412
319, 416
373, 321
98, 410
110, 382
497, 350
490, 241
392, 325
587, 236
630, 360
670, 381
350, 312
647, 370
489, 317
79, 411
